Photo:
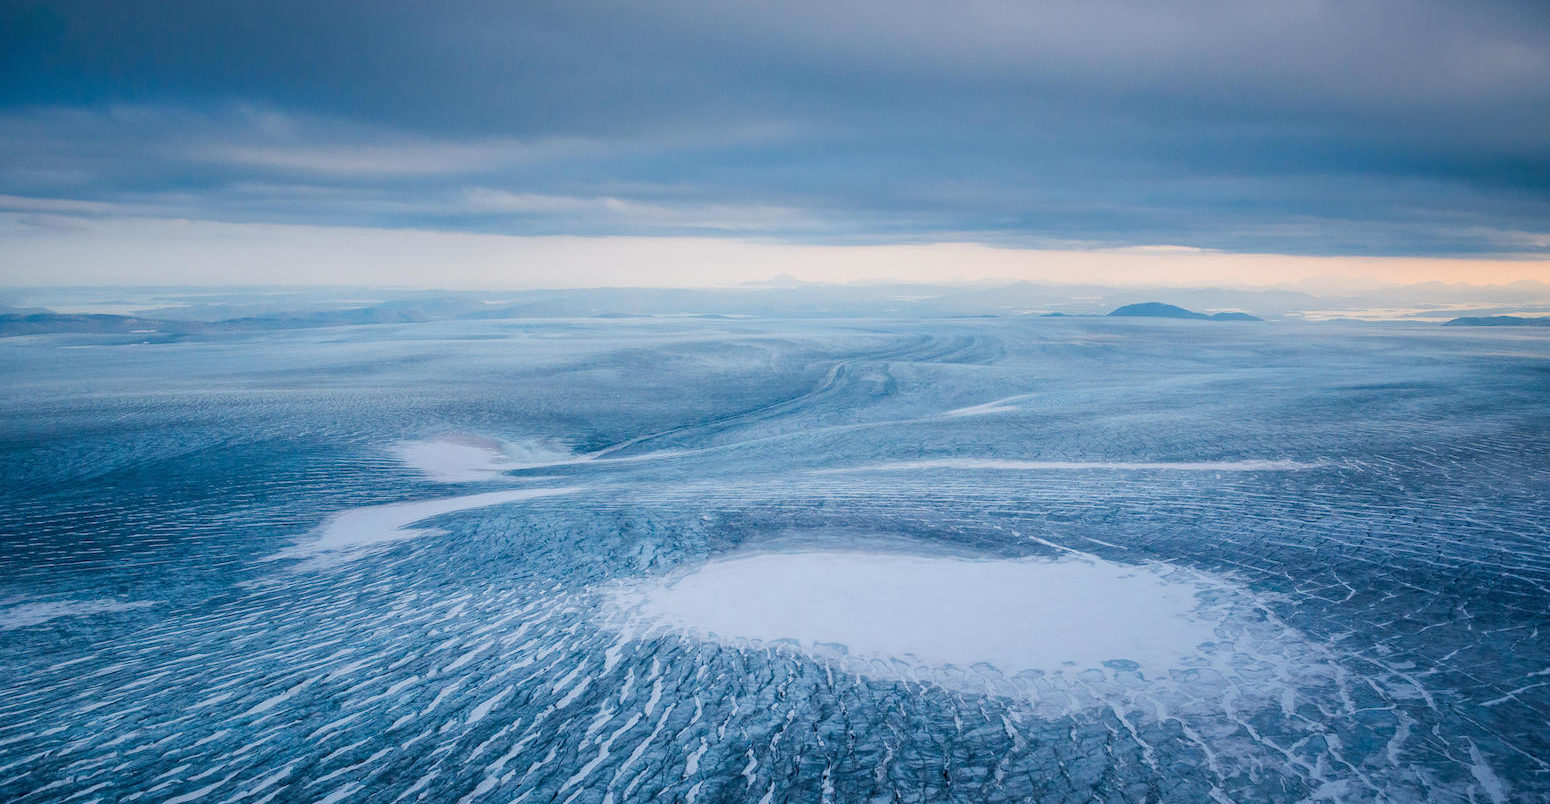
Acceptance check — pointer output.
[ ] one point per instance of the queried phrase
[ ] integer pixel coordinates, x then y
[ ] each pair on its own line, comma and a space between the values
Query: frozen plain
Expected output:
777, 560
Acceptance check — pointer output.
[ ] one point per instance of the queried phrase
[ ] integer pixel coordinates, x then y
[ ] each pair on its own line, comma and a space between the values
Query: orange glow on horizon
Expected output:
150, 251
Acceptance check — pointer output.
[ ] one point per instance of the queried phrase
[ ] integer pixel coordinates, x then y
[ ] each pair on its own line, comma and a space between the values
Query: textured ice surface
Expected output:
23, 615
1356, 513
1055, 466
1016, 615
468, 459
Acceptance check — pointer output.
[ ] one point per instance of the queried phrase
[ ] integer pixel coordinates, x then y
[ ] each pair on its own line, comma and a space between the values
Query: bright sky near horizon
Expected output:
545, 144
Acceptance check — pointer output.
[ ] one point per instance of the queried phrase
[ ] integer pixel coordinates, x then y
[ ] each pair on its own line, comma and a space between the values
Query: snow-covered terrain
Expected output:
683, 559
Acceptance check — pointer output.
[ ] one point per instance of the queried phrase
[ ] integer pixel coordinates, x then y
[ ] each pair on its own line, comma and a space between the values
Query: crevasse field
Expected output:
717, 560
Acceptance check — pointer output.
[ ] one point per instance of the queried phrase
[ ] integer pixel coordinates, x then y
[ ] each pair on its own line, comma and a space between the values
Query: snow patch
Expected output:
359, 528
1015, 615
1003, 405
469, 459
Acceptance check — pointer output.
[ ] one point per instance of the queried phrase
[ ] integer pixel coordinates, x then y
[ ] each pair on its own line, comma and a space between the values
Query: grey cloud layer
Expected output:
1310, 127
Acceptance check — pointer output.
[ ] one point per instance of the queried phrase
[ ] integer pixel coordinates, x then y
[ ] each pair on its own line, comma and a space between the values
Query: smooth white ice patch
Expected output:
996, 464
468, 459
359, 528
1015, 615
386, 523
1003, 405
30, 614
980, 410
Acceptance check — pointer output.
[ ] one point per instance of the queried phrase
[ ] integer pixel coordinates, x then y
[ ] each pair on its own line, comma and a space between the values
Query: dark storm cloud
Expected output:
1305, 127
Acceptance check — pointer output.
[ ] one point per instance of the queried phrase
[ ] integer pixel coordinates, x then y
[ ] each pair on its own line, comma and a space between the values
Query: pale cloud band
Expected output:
153, 251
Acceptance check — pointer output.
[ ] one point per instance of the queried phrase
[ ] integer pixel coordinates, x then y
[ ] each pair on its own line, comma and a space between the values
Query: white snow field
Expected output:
588, 560
462, 458
1016, 615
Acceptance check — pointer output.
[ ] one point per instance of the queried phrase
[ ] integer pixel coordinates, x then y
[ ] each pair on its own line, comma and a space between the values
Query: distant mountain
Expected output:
1500, 321
1160, 310
1156, 310
395, 312
51, 323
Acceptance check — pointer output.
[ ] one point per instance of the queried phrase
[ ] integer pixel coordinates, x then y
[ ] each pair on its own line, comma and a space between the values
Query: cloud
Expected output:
371, 159
672, 213
1366, 127
15, 202
184, 252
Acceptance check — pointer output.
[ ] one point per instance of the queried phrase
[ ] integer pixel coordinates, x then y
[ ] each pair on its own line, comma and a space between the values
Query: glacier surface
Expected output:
697, 559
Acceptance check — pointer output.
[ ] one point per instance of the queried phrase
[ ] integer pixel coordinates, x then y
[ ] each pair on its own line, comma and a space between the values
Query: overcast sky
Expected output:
156, 141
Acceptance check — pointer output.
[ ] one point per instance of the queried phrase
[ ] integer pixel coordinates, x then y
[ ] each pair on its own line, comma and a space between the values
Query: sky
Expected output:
543, 144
